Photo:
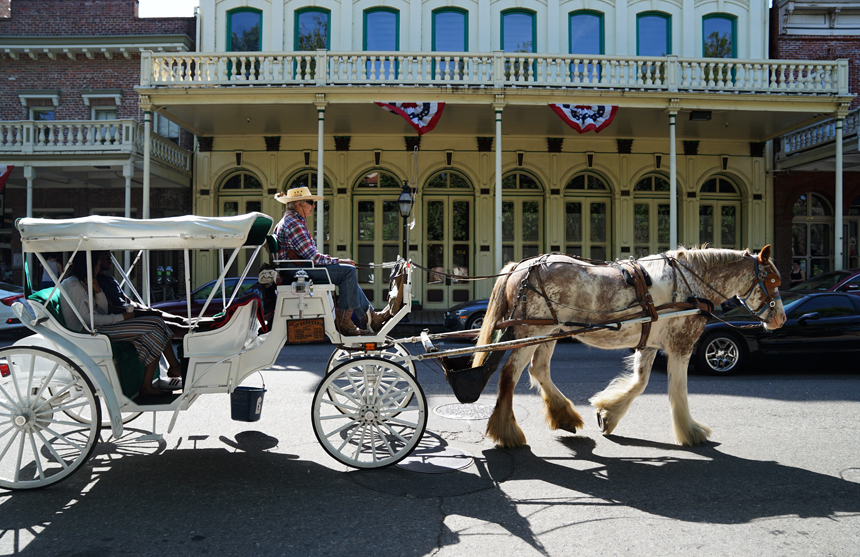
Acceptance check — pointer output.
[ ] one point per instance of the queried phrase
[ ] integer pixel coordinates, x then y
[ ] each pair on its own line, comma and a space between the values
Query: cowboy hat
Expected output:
297, 194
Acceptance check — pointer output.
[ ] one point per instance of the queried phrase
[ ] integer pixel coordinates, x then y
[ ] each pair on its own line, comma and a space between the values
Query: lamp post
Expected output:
404, 203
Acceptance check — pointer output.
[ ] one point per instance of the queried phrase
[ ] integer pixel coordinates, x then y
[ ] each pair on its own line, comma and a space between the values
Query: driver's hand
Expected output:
347, 262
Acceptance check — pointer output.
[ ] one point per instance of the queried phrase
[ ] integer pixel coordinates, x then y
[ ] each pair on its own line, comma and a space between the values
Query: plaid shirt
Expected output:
292, 233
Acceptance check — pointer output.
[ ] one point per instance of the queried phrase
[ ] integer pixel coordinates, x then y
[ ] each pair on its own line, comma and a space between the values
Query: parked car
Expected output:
9, 294
198, 298
824, 324
465, 316
846, 280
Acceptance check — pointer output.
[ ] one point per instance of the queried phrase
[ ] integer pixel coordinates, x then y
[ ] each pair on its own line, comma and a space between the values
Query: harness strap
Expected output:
640, 281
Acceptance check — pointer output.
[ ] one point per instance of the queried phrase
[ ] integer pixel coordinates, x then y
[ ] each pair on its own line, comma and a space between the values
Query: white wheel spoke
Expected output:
401, 422
47, 381
20, 456
36, 456
61, 422
55, 409
30, 379
61, 392
337, 404
348, 439
9, 444
394, 433
63, 437
360, 442
351, 416
16, 403
60, 459
15, 382
345, 394
385, 441
9, 408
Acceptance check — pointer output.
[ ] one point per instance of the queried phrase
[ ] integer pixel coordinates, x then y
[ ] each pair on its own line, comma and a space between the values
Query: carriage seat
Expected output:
230, 331
123, 353
220, 319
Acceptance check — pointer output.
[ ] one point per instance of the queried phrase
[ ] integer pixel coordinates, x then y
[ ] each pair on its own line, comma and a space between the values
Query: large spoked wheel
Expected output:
38, 445
358, 416
82, 414
394, 353
720, 353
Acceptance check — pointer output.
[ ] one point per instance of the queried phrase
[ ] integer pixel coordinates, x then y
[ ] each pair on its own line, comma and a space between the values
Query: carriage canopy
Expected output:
119, 233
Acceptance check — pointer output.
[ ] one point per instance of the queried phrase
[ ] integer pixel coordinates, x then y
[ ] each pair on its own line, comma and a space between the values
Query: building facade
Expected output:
808, 205
70, 118
282, 94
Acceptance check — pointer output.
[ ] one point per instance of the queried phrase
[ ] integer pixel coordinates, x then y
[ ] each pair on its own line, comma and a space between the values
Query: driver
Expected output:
295, 242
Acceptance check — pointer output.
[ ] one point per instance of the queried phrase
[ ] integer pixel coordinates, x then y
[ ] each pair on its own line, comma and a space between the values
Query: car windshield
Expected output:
788, 302
821, 282
11, 287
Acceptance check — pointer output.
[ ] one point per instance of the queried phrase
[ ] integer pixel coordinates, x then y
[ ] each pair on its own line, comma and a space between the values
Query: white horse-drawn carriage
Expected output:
58, 387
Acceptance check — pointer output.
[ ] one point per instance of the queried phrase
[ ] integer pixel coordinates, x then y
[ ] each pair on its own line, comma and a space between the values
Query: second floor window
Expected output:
653, 34
243, 30
518, 31
586, 32
312, 26
450, 30
718, 34
381, 29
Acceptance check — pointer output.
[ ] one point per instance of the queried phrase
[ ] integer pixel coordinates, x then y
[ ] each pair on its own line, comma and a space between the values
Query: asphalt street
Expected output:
781, 476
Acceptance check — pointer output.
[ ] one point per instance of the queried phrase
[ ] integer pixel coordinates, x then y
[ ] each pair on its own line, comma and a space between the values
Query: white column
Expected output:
30, 175
127, 173
837, 233
673, 185
147, 138
497, 237
320, 172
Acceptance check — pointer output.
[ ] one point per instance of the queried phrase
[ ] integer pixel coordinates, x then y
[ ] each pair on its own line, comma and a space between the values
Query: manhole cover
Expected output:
435, 458
458, 411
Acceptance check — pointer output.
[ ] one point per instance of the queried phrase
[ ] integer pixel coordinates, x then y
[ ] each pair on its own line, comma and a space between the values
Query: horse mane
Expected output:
708, 258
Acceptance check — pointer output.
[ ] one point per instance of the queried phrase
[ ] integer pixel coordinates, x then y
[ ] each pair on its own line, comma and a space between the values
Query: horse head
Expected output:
762, 299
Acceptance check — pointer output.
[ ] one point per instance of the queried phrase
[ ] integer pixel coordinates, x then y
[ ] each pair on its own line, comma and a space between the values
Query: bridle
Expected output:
767, 278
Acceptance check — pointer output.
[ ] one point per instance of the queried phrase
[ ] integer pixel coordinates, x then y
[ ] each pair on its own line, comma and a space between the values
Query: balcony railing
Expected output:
88, 136
818, 135
494, 69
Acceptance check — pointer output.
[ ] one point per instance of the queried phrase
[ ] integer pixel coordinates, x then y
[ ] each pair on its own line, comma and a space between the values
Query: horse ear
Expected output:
764, 254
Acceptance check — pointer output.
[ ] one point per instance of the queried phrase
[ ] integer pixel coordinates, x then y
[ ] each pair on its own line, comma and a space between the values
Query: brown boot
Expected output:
343, 323
378, 319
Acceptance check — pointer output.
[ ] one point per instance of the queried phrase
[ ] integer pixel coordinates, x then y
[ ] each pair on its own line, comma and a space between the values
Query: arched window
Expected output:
381, 33
651, 215
450, 33
812, 234
718, 36
244, 32
586, 217
519, 31
447, 179
719, 213
240, 192
522, 217
653, 34
586, 32
377, 228
312, 29
308, 179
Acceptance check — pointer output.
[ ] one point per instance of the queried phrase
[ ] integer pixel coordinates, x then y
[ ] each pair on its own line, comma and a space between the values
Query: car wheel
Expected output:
720, 353
475, 321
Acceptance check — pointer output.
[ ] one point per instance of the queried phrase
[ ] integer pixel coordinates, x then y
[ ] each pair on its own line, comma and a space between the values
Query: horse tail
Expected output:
497, 309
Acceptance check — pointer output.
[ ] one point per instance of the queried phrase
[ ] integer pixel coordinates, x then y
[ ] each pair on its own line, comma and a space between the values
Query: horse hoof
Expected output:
600, 423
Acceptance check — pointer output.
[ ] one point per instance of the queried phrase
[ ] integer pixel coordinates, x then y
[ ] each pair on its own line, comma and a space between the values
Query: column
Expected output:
147, 148
30, 175
673, 183
837, 209
128, 174
497, 236
320, 104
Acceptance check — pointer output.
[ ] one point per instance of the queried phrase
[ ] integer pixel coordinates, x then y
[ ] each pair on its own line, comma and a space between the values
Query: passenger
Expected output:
150, 335
53, 262
295, 242
267, 286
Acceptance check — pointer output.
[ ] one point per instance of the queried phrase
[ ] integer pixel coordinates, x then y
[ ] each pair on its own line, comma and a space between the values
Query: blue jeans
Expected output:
350, 296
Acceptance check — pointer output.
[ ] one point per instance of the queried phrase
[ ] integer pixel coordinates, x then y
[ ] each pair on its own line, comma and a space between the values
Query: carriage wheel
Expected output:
364, 425
391, 353
38, 447
82, 414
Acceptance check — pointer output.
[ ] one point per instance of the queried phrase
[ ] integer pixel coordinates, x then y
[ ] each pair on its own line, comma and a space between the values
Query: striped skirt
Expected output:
149, 335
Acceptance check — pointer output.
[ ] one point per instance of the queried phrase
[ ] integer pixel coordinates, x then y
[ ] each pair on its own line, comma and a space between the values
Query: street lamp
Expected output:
404, 203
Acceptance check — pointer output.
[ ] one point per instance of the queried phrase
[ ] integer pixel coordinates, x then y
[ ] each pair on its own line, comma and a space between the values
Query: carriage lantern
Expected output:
404, 202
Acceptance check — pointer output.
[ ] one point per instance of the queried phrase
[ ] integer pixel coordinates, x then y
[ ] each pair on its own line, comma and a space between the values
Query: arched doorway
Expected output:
307, 178
448, 200
812, 234
522, 217
586, 217
239, 193
719, 213
377, 230
651, 215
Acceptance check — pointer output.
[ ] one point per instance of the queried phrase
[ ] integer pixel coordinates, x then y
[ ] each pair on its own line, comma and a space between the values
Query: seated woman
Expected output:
149, 335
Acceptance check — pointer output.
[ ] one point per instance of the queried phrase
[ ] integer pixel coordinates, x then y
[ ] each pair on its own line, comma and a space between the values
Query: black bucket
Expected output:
246, 403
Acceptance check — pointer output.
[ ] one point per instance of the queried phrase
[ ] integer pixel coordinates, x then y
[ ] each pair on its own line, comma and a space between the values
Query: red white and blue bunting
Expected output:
421, 116
584, 118
5, 172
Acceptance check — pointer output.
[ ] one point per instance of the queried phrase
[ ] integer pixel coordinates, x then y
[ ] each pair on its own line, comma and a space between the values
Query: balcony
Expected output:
88, 137
495, 70
814, 147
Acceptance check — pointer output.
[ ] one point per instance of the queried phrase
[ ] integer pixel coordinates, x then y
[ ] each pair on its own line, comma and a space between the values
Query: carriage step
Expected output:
153, 400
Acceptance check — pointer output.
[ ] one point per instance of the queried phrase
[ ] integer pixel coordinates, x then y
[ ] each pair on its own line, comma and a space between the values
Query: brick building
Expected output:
812, 224
70, 119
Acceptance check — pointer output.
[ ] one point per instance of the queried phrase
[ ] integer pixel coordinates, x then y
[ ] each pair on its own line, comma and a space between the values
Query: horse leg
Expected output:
687, 431
613, 401
560, 412
503, 428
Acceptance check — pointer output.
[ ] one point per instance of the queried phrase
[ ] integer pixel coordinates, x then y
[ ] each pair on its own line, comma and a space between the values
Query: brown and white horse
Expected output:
581, 292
